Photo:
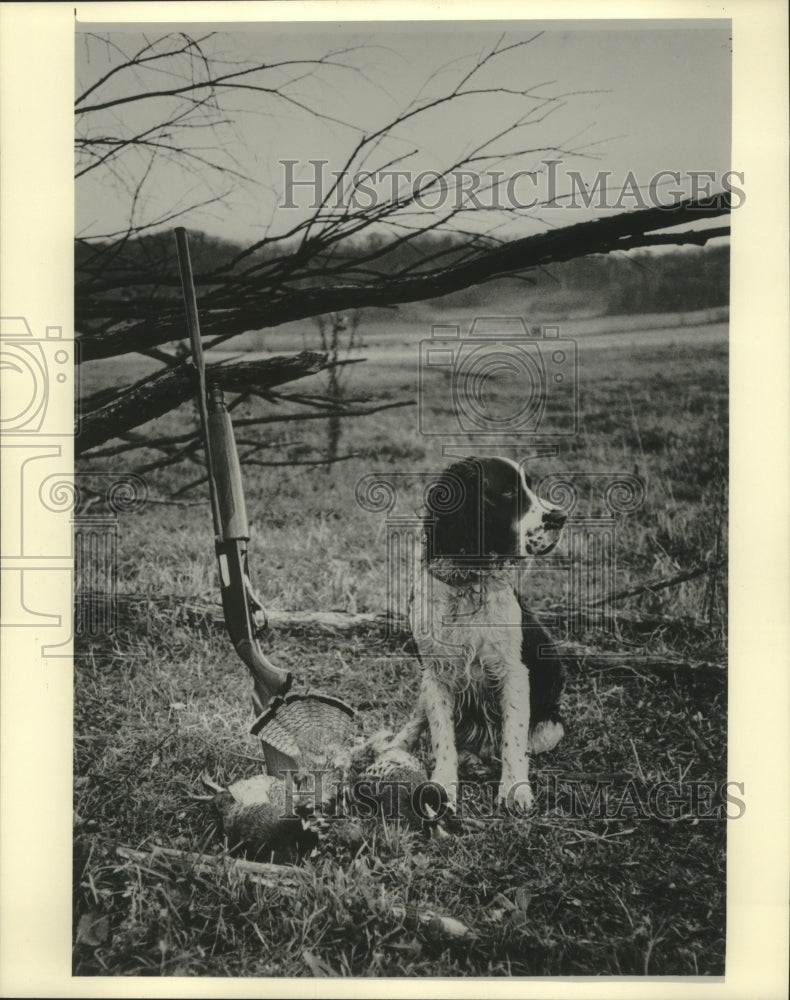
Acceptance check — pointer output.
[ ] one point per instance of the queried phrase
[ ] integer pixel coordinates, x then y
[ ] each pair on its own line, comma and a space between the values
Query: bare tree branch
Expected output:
266, 306
167, 103
188, 439
165, 390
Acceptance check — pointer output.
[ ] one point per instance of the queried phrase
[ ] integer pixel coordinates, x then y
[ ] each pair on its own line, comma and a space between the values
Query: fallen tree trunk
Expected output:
253, 303
161, 392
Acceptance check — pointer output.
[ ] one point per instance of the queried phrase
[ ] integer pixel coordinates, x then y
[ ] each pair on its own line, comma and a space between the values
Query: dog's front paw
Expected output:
545, 736
516, 796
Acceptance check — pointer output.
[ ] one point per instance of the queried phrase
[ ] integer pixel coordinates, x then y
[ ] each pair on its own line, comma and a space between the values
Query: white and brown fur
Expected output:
490, 680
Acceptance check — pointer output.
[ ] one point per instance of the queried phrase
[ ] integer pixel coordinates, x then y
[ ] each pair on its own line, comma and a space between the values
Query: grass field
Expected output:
630, 890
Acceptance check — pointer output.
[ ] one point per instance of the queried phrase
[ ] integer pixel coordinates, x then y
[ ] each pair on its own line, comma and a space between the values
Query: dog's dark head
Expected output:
484, 508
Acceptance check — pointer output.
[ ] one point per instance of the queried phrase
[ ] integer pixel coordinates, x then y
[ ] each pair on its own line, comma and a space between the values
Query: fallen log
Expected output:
395, 628
257, 871
429, 922
651, 586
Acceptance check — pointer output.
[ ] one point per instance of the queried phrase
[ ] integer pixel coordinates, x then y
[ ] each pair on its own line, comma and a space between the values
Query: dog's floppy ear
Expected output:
453, 503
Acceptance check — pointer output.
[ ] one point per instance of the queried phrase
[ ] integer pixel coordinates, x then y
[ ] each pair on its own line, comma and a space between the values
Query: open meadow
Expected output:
619, 870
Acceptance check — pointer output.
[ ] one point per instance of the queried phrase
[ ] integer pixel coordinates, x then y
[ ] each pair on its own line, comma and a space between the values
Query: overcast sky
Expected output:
642, 98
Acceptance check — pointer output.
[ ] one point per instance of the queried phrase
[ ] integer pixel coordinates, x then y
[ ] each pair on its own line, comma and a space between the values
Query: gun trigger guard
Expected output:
261, 629
258, 616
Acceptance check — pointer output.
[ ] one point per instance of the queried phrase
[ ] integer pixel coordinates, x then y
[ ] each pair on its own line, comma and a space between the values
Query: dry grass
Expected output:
549, 894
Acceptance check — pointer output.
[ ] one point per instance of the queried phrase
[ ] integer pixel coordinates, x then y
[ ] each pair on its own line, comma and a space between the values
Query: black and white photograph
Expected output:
399, 521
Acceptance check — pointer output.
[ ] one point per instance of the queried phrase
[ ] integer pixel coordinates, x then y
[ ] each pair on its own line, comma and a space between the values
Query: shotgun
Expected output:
245, 617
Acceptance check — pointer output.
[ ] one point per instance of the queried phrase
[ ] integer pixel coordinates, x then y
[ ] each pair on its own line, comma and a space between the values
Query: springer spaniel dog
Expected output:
491, 680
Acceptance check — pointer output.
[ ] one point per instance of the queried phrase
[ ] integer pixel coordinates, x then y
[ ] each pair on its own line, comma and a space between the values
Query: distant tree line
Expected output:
678, 280
346, 253
640, 281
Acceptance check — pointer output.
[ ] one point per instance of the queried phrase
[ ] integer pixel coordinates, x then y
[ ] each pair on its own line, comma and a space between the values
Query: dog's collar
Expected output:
456, 574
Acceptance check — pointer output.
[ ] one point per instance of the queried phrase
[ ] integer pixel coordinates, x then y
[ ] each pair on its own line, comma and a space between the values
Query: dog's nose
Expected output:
554, 519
